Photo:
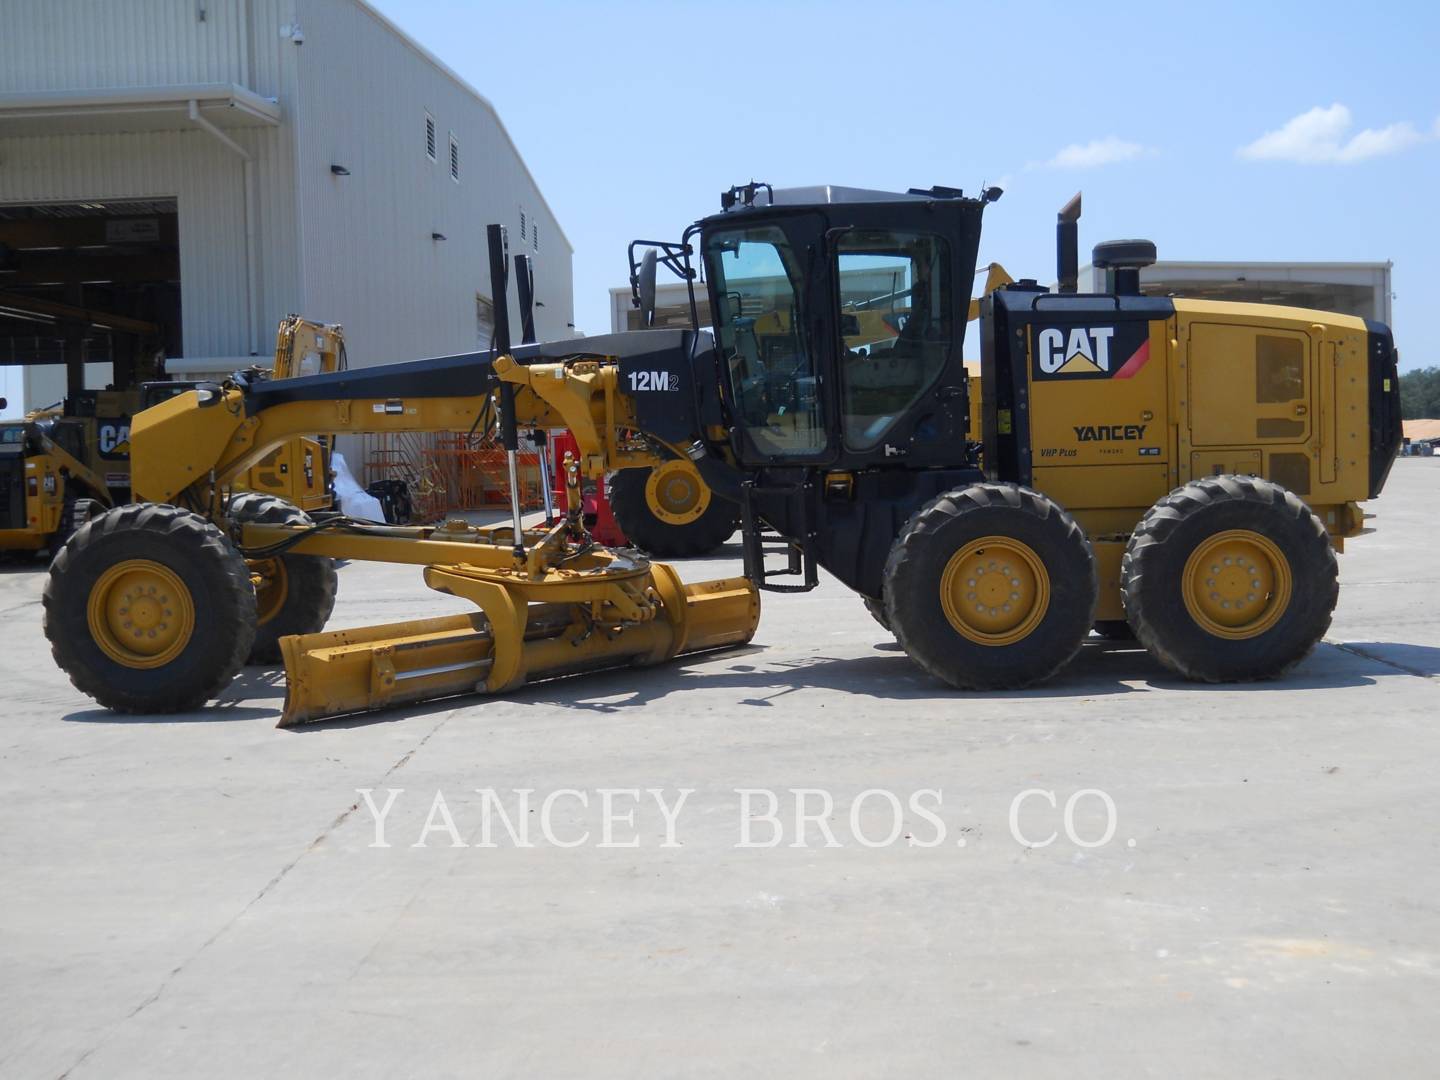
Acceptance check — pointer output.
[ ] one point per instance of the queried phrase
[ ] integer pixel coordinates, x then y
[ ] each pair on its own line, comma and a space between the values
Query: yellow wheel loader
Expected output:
1188, 467
56, 472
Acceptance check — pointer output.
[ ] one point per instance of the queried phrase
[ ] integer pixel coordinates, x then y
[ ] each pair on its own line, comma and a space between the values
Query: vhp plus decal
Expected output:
1092, 351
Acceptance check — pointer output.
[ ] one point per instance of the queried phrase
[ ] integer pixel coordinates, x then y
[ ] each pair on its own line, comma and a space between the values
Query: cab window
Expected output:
760, 323
896, 325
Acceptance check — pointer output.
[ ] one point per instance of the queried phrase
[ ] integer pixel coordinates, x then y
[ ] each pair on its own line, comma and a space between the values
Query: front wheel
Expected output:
149, 609
991, 587
294, 594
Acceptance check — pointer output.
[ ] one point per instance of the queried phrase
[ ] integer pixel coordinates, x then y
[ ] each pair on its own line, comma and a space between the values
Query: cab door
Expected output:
768, 293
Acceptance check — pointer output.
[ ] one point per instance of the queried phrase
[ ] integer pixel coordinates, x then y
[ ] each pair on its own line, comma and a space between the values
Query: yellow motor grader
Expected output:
1186, 467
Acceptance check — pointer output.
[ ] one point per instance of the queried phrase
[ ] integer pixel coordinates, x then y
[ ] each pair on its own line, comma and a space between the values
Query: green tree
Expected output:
1420, 394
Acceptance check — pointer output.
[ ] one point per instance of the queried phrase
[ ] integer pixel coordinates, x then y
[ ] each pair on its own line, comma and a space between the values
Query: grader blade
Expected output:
509, 643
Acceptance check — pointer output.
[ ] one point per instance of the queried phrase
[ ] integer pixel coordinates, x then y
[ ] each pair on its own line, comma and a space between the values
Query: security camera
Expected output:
297, 36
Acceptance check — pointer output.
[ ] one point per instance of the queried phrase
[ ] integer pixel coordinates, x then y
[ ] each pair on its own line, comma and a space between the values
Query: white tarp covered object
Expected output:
354, 500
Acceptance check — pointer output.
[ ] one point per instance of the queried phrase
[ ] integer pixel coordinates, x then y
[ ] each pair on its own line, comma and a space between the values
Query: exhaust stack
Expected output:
1067, 246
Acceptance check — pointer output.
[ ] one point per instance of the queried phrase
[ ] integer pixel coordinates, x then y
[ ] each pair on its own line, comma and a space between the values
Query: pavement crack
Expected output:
1406, 668
324, 833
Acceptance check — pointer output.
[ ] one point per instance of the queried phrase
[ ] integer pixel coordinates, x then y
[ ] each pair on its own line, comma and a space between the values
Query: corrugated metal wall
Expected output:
201, 174
353, 249
368, 257
72, 44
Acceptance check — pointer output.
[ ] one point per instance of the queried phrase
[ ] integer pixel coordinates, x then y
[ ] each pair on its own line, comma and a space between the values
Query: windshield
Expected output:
760, 323
11, 434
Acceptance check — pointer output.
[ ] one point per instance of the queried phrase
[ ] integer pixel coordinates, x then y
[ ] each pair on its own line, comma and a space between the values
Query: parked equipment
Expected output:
1143, 459
61, 466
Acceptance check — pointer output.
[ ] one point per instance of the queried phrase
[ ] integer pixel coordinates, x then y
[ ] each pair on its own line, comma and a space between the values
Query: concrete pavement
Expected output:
198, 895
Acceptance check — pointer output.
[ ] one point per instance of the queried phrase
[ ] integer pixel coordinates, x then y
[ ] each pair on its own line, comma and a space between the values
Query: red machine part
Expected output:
595, 501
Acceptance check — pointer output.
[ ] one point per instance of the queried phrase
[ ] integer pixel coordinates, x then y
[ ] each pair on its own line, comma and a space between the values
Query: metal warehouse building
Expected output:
1351, 288
176, 175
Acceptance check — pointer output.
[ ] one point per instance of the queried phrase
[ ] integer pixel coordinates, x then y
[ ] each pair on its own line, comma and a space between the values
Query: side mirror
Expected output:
646, 287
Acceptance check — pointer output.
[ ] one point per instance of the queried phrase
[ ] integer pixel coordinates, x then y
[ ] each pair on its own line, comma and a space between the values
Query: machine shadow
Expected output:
17, 565
219, 713
1102, 668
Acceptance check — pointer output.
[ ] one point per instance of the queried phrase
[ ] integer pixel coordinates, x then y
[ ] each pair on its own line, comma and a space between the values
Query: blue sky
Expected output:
1220, 131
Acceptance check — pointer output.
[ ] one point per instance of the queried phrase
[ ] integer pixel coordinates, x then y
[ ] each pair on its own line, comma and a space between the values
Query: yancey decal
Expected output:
1115, 351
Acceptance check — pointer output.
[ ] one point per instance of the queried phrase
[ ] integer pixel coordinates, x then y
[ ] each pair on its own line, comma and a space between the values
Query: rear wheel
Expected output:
149, 609
294, 594
1229, 578
990, 587
73, 514
670, 512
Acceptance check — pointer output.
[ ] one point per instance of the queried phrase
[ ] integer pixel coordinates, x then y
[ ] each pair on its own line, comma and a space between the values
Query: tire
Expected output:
299, 593
1114, 630
155, 549
641, 526
877, 609
1281, 547
76, 512
928, 593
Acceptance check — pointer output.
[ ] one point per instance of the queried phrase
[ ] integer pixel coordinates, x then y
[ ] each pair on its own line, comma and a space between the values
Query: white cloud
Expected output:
1106, 151
1322, 136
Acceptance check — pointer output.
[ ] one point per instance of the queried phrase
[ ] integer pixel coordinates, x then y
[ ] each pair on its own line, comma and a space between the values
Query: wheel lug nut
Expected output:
1014, 596
970, 596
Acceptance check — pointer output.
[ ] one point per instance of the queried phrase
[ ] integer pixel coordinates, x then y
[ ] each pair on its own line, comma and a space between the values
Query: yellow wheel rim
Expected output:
995, 590
272, 586
676, 494
1237, 584
140, 614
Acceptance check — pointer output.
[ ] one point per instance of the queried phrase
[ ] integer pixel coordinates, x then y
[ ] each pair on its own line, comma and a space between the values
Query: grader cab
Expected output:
1128, 476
